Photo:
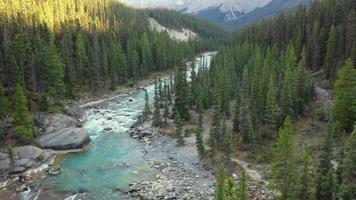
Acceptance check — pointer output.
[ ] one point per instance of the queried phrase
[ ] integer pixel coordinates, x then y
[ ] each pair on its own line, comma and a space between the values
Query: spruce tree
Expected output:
166, 111
348, 169
325, 181
236, 119
179, 129
147, 110
181, 91
22, 117
227, 143
284, 167
156, 121
242, 189
306, 184
271, 110
330, 53
3, 101
199, 139
220, 185
344, 110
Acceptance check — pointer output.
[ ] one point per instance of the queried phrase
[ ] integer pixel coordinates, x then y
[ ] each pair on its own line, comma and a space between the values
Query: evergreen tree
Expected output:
236, 119
147, 110
228, 144
199, 139
54, 71
348, 169
242, 189
271, 110
220, 185
306, 176
179, 129
325, 180
344, 110
3, 101
181, 91
22, 117
156, 121
283, 164
330, 53
166, 111
229, 192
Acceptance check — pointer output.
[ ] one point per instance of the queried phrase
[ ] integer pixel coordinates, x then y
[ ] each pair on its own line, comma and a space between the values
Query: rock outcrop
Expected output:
23, 158
62, 132
64, 139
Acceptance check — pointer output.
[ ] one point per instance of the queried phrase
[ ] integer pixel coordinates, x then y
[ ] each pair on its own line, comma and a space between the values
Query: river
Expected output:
113, 159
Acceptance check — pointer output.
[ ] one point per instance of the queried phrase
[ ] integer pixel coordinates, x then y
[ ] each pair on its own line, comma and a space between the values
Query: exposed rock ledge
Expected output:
24, 158
61, 132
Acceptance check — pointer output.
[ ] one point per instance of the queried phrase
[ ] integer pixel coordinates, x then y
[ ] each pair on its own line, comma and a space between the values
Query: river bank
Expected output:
113, 156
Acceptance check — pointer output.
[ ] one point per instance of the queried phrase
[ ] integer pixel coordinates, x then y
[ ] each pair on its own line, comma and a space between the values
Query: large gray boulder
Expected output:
24, 158
29, 152
64, 139
5, 162
52, 123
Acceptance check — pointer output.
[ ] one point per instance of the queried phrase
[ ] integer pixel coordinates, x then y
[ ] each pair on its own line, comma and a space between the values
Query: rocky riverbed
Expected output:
180, 176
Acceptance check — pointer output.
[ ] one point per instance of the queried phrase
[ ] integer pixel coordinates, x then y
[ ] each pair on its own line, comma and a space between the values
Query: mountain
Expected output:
218, 11
274, 8
229, 14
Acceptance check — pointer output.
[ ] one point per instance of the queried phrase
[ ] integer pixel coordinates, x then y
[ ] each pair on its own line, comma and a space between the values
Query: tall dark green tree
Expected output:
325, 181
284, 162
199, 138
348, 169
22, 117
344, 110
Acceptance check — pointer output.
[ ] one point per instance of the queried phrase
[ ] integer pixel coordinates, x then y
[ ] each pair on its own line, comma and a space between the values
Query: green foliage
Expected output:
179, 129
181, 91
220, 185
22, 117
306, 184
242, 190
156, 121
348, 169
344, 110
199, 139
147, 110
284, 166
325, 180
3, 102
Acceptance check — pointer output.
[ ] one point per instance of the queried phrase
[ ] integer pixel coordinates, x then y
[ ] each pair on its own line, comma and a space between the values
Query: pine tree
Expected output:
229, 192
306, 176
22, 117
228, 144
271, 110
179, 129
242, 189
181, 91
3, 101
147, 110
199, 139
220, 185
348, 169
283, 164
344, 110
156, 121
330, 53
54, 71
236, 119
325, 180
166, 111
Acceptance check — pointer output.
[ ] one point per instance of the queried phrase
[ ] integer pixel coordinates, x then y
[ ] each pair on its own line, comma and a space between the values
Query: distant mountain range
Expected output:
229, 14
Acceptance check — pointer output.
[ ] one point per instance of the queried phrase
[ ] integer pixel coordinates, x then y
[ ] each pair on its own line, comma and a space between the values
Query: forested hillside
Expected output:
55, 50
268, 74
